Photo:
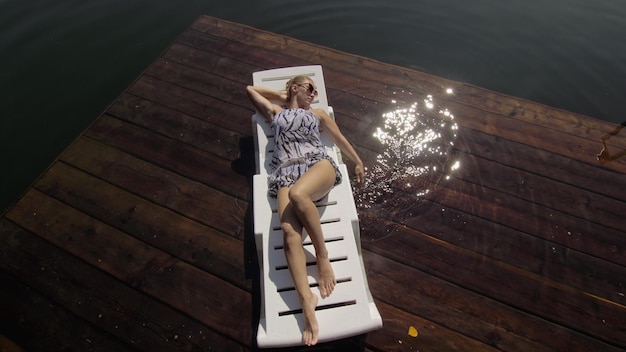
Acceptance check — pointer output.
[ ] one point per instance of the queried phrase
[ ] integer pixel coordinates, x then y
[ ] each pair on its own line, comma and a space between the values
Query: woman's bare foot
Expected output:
327, 279
309, 335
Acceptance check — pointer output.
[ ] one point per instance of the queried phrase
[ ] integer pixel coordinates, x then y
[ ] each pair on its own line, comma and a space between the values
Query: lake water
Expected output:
63, 61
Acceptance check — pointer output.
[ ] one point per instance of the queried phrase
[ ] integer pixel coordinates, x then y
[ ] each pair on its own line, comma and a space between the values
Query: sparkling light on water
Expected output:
415, 156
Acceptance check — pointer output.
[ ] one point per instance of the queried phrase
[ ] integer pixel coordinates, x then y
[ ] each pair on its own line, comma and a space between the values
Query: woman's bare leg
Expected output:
313, 185
296, 261
296, 209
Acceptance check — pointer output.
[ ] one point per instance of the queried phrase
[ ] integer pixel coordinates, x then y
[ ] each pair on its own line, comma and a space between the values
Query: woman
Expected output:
301, 173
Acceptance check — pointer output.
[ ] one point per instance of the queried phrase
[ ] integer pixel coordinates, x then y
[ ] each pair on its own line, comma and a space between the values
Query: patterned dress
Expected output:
297, 147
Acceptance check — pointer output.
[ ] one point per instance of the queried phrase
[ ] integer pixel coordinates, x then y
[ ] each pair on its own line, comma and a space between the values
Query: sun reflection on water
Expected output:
416, 140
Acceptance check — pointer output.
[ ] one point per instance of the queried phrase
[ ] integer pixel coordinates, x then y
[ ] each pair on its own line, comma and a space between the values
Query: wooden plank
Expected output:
498, 241
515, 231
194, 103
539, 114
180, 285
520, 289
211, 62
543, 222
166, 188
110, 311
27, 316
497, 219
544, 191
176, 125
466, 311
562, 169
170, 154
210, 84
192, 242
431, 336
436, 303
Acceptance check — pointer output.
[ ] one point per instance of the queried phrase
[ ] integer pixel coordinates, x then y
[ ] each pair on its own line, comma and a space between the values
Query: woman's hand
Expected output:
359, 172
283, 96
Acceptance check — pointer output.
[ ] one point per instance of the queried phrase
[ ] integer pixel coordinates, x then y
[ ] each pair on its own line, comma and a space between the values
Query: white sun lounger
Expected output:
350, 309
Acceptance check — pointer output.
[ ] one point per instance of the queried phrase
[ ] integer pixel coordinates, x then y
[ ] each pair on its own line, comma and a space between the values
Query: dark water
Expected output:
63, 61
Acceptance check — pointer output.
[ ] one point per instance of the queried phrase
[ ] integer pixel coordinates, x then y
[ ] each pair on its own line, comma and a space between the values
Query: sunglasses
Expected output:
310, 88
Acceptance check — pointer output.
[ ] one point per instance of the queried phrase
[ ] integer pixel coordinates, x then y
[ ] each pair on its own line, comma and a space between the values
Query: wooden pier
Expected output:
139, 236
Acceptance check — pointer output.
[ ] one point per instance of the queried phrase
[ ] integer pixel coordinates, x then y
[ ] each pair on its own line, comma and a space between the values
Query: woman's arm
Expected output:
260, 98
330, 126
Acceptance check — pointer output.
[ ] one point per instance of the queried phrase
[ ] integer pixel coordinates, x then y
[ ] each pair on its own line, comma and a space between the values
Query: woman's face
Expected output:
306, 93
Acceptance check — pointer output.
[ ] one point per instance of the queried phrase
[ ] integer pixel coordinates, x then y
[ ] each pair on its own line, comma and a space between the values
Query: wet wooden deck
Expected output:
139, 235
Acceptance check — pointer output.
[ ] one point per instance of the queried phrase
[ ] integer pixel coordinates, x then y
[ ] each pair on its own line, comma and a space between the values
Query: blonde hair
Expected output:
300, 79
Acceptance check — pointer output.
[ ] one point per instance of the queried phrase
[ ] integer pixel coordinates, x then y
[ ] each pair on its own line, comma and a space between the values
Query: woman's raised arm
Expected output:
260, 98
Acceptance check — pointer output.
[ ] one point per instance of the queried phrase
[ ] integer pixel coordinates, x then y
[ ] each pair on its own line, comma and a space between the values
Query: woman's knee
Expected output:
297, 196
291, 237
